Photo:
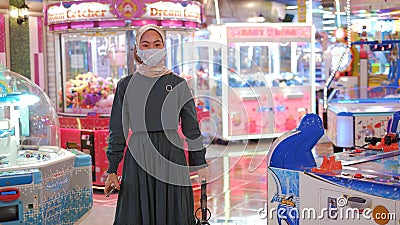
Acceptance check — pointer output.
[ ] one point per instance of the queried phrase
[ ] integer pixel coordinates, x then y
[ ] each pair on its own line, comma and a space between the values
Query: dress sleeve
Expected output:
117, 141
191, 130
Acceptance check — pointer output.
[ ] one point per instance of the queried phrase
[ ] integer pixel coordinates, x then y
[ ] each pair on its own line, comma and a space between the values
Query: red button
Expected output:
358, 175
357, 151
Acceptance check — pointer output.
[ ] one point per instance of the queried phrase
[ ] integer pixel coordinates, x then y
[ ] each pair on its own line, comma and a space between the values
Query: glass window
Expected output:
92, 65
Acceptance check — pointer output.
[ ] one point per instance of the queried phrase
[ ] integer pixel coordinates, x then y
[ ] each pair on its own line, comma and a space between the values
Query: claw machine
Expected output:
94, 42
259, 85
40, 183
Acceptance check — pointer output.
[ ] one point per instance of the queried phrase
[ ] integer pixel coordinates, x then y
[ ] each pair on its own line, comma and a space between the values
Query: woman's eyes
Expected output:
157, 45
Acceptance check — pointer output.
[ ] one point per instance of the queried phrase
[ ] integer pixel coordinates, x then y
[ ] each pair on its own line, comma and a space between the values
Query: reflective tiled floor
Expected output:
236, 194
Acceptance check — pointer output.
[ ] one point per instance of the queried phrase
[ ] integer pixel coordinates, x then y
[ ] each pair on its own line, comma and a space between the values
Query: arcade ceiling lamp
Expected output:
20, 13
256, 19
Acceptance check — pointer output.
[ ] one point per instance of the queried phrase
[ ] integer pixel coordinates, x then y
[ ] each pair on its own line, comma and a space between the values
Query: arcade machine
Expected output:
94, 44
379, 44
40, 183
352, 119
357, 113
354, 187
261, 85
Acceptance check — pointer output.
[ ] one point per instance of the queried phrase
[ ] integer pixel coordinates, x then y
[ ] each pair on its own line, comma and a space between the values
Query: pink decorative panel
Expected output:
111, 23
40, 33
143, 22
190, 24
2, 34
87, 24
37, 79
59, 26
171, 23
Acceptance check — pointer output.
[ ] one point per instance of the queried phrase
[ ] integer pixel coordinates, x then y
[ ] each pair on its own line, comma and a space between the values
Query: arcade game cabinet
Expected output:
361, 186
40, 183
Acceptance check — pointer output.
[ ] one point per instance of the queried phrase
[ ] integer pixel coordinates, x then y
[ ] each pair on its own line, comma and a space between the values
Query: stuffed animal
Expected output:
87, 90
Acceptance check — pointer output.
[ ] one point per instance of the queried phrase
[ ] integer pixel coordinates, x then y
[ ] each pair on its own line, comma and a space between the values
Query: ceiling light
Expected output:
329, 22
256, 19
250, 5
289, 7
328, 16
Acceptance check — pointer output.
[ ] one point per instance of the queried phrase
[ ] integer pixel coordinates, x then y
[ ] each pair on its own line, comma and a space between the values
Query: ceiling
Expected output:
241, 10
385, 9
273, 10
373, 4
286, 2
355, 4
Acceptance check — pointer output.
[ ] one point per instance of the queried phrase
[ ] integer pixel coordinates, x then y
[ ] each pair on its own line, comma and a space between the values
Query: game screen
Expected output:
9, 213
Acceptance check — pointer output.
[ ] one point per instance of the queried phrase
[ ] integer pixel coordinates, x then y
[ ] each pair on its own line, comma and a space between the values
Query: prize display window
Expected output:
259, 84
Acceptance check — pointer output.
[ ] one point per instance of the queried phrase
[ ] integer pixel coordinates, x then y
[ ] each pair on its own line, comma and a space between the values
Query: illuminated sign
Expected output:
124, 9
373, 25
127, 9
78, 12
396, 26
174, 11
271, 32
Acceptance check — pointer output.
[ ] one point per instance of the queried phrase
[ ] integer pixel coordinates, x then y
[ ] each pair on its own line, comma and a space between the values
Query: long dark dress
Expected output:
155, 186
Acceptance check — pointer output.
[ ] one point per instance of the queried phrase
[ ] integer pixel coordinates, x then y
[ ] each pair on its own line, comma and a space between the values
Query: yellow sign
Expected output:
301, 11
396, 25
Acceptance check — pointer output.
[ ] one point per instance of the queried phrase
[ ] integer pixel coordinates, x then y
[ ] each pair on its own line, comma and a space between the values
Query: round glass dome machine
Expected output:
29, 125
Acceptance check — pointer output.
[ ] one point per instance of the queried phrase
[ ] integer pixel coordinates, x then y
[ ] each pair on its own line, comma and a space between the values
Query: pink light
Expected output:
171, 23
143, 22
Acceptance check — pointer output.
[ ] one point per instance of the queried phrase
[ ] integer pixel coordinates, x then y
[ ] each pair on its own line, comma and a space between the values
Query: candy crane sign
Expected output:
78, 12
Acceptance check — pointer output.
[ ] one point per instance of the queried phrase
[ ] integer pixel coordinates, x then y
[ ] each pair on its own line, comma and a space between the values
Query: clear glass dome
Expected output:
29, 125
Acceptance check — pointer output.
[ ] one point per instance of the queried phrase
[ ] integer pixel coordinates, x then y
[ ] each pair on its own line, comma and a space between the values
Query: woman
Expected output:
155, 186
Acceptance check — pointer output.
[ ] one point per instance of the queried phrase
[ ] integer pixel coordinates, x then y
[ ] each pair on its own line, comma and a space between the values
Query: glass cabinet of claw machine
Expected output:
27, 121
92, 64
260, 84
38, 178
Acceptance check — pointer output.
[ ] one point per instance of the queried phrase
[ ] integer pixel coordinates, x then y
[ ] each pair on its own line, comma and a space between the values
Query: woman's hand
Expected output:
203, 174
111, 181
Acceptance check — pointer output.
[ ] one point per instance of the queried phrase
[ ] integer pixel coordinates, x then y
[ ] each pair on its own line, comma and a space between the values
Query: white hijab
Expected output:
151, 71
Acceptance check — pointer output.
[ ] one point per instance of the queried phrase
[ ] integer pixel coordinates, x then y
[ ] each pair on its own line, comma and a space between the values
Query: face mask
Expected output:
151, 57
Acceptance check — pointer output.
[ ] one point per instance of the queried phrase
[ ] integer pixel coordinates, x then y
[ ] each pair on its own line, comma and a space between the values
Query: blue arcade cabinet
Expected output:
288, 156
365, 189
40, 183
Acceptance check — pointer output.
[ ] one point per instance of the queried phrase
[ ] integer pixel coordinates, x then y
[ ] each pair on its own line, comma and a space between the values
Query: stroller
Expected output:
203, 206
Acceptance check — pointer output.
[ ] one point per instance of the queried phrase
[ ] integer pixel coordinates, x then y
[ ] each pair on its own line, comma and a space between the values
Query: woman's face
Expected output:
151, 39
